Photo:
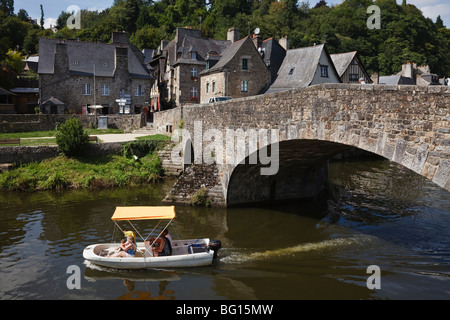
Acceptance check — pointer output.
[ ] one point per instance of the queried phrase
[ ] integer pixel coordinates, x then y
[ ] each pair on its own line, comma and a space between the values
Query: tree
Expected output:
7, 6
42, 17
23, 15
71, 138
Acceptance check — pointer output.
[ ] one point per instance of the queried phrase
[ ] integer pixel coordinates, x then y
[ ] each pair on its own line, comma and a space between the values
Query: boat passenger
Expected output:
127, 249
162, 246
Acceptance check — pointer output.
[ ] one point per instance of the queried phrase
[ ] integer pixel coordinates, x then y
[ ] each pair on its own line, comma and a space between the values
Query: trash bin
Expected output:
103, 122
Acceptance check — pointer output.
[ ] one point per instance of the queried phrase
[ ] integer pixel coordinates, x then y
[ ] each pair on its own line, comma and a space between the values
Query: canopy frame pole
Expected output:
135, 229
153, 230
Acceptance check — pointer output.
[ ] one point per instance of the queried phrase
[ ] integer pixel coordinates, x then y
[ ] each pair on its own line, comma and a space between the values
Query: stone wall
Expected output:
43, 122
21, 154
165, 122
194, 179
409, 125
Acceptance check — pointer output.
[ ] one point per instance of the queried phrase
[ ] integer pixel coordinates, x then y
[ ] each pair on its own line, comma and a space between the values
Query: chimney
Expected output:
375, 78
121, 60
120, 38
233, 35
284, 42
61, 65
407, 70
257, 41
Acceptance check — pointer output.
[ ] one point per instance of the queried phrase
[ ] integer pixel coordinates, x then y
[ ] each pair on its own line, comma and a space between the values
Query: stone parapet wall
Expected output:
165, 122
29, 122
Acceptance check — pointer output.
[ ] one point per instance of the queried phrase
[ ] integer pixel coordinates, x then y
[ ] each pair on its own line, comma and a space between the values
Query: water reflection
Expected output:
380, 214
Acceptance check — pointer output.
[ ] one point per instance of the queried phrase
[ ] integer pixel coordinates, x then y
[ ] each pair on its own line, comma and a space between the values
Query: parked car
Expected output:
217, 99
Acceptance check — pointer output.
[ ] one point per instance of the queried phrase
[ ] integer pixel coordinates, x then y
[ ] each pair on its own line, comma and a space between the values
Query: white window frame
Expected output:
86, 91
193, 72
194, 92
105, 90
244, 86
139, 90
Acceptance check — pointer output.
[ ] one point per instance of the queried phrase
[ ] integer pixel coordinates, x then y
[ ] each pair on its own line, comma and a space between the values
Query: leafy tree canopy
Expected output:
405, 34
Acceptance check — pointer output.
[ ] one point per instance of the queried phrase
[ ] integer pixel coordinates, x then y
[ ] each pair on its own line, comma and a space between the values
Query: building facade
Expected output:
350, 68
84, 74
178, 64
240, 72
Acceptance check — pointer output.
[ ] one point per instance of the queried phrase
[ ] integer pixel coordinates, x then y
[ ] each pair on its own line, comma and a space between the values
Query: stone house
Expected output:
178, 64
304, 67
6, 102
82, 74
238, 72
411, 74
350, 67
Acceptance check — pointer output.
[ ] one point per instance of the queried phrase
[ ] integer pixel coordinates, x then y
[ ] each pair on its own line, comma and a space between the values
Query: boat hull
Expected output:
183, 255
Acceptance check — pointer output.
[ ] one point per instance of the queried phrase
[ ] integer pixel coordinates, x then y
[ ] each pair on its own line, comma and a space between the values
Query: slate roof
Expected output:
202, 46
83, 56
226, 56
273, 56
396, 79
53, 101
298, 68
342, 61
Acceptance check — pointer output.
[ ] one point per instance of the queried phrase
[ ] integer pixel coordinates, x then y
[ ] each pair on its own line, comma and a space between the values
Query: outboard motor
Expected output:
215, 245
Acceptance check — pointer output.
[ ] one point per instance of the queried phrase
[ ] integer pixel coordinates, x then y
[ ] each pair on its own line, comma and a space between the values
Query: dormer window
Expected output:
76, 62
324, 71
193, 55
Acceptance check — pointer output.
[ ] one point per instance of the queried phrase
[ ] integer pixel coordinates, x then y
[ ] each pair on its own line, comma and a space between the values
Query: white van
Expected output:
217, 99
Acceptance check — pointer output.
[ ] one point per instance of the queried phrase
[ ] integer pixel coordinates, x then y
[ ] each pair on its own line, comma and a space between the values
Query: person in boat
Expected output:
127, 249
162, 246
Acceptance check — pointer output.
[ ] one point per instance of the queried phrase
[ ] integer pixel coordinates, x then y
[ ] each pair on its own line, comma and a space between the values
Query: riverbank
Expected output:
99, 172
94, 171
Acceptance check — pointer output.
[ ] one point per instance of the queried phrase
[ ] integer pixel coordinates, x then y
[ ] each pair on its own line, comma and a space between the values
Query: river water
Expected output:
381, 214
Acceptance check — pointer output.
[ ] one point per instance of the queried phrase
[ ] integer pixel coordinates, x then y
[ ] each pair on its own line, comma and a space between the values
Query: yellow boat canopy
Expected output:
143, 213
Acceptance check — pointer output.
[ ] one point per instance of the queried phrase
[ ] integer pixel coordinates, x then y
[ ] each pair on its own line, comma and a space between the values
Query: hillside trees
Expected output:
405, 34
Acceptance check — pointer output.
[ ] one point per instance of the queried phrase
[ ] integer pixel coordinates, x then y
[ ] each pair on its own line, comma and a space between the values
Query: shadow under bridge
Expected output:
302, 174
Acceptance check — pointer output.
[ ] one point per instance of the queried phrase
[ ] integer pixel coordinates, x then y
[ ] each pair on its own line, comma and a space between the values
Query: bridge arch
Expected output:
409, 125
302, 174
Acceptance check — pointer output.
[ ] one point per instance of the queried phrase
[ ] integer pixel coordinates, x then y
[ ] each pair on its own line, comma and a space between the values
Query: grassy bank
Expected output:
52, 133
93, 172
62, 172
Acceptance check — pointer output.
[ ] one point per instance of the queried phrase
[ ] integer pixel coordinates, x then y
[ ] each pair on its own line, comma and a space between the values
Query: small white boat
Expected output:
185, 253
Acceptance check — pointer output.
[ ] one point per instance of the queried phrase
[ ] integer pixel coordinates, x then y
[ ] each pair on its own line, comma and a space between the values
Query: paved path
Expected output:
120, 137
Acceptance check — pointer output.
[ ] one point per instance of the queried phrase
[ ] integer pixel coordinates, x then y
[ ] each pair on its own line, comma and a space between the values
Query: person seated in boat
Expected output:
162, 246
127, 249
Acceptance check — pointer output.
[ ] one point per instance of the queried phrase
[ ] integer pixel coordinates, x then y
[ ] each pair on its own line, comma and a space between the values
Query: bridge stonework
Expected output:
409, 125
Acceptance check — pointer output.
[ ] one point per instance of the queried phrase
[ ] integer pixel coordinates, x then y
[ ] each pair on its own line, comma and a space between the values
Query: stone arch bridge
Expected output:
409, 125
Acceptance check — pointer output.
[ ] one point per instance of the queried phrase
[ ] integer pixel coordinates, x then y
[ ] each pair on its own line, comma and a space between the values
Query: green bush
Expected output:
71, 138
141, 148
200, 198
